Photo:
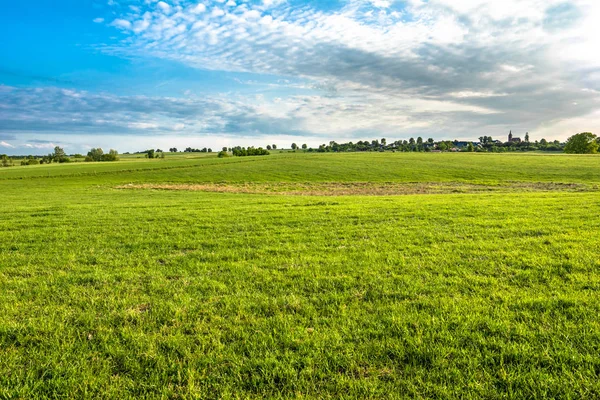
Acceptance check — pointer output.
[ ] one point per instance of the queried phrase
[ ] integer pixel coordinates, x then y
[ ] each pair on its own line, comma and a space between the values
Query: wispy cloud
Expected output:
503, 57
5, 144
61, 110
441, 68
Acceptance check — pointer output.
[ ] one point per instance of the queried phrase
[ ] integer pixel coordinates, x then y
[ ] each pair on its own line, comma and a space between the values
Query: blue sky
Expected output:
135, 74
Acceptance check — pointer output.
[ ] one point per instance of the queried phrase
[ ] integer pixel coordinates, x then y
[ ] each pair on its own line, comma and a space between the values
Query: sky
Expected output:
138, 74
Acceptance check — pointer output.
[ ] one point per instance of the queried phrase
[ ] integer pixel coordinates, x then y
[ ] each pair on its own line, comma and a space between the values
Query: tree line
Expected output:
581, 143
58, 155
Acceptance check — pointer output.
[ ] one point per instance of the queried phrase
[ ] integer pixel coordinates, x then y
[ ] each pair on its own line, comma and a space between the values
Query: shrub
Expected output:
97, 154
30, 161
250, 151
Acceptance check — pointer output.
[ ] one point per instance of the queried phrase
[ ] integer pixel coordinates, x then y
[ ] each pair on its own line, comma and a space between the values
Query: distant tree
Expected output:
162, 154
210, 150
112, 155
173, 150
582, 143
6, 161
383, 142
443, 146
294, 146
304, 146
274, 147
58, 152
95, 154
59, 155
527, 137
31, 160
269, 147
223, 154
150, 153
470, 147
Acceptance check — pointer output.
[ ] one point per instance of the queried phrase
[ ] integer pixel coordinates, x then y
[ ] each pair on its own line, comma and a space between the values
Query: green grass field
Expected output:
433, 276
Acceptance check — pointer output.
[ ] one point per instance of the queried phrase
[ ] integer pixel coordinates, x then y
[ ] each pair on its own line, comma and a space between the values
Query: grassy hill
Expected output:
302, 275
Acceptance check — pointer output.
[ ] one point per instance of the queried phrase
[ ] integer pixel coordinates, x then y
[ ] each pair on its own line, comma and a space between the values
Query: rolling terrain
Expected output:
371, 275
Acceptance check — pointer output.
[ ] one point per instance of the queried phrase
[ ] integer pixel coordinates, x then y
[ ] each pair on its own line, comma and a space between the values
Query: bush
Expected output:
98, 155
30, 161
223, 154
250, 151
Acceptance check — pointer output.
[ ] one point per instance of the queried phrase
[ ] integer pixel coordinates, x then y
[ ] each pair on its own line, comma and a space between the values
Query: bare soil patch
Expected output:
365, 188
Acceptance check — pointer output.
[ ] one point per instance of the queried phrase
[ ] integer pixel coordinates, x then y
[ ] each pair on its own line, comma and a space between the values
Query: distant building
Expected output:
512, 139
462, 145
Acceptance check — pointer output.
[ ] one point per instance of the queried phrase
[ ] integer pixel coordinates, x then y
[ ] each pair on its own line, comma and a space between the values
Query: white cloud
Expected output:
217, 12
381, 3
5, 144
142, 125
198, 8
121, 23
98, 20
440, 65
163, 6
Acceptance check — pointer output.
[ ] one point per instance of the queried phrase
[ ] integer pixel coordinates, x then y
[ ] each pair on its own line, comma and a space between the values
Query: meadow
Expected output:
362, 275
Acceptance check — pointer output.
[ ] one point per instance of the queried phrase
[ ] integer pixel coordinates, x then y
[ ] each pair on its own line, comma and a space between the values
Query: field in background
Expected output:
142, 278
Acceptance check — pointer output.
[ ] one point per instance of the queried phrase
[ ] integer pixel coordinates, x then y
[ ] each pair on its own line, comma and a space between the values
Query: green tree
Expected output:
470, 147
527, 137
304, 146
294, 146
112, 155
5, 160
59, 155
95, 154
582, 143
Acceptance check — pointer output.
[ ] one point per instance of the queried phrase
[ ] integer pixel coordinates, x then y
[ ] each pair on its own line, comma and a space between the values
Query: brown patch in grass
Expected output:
366, 188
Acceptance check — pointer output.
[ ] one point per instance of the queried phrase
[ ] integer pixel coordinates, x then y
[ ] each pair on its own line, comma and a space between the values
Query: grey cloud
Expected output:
54, 110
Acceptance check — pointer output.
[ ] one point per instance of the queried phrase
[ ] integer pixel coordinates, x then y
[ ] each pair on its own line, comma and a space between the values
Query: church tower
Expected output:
510, 136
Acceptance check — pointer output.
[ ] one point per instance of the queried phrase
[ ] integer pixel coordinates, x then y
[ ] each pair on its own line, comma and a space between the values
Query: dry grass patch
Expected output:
365, 188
